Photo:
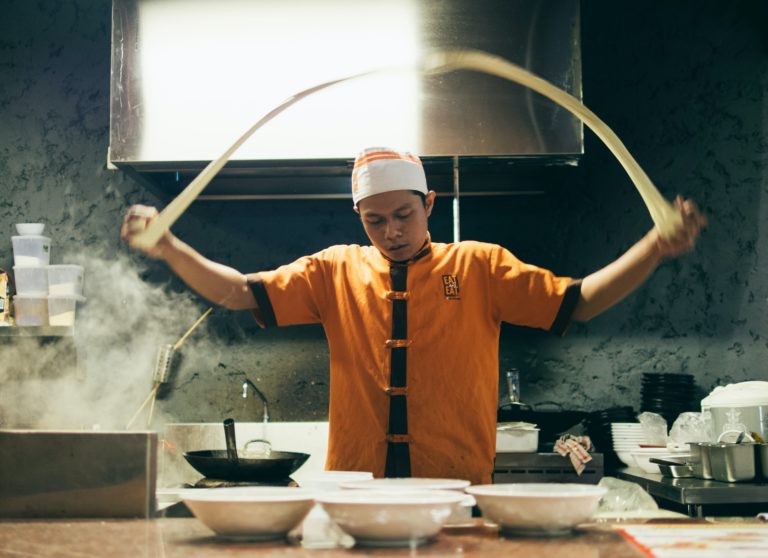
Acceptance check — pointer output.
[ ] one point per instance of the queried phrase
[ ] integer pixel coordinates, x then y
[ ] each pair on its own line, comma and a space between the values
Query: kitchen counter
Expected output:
168, 538
695, 493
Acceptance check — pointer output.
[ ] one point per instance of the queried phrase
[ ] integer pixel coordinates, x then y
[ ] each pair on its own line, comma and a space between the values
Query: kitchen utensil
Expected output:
162, 370
537, 509
667, 460
643, 456
663, 213
31, 250
229, 438
732, 462
733, 437
513, 391
221, 464
551, 419
31, 310
257, 513
409, 484
460, 515
65, 280
761, 457
62, 309
676, 471
517, 437
740, 407
31, 280
391, 518
706, 459
30, 229
673, 466
215, 464
332, 480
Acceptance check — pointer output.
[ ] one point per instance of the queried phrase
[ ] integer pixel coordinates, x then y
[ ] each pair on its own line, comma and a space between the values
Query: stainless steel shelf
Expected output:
39, 331
695, 493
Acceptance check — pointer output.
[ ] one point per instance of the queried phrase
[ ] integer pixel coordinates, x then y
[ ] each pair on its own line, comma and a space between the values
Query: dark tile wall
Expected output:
682, 83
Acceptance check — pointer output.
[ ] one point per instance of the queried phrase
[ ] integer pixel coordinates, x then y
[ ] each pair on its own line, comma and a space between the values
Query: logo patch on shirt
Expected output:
451, 287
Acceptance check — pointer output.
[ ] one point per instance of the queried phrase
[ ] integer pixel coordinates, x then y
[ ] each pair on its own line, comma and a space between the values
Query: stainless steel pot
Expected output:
732, 462
701, 464
751, 419
761, 463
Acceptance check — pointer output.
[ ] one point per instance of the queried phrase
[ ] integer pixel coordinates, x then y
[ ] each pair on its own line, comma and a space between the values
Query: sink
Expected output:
177, 438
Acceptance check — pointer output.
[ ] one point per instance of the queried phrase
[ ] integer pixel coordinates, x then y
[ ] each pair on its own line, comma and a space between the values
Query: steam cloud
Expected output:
118, 332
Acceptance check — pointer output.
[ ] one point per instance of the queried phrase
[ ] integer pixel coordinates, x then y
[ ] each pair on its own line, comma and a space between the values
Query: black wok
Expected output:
229, 465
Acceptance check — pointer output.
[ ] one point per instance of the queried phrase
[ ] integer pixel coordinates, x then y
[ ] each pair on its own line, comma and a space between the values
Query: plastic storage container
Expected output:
517, 440
31, 310
31, 280
31, 250
62, 309
65, 280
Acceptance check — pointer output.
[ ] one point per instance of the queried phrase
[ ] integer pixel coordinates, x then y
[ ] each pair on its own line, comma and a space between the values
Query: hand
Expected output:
684, 238
136, 219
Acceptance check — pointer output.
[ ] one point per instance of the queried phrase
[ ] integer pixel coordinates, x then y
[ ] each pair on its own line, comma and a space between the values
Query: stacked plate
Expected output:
627, 437
598, 425
668, 395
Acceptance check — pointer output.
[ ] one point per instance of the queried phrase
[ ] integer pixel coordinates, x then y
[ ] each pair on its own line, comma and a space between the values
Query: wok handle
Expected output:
229, 437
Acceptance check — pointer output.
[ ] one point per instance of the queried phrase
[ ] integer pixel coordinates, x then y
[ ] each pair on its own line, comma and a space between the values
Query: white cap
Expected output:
381, 169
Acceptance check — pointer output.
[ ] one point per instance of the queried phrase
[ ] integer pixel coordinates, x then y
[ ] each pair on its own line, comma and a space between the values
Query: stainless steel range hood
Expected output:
189, 76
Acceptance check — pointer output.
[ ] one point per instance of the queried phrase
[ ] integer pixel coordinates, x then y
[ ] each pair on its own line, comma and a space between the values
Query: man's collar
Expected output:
425, 249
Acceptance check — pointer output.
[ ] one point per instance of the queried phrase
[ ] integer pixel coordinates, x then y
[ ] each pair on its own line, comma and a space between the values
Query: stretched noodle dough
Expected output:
664, 215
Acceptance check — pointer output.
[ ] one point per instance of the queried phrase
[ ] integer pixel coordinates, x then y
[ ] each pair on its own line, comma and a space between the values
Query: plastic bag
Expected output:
624, 496
654, 428
691, 427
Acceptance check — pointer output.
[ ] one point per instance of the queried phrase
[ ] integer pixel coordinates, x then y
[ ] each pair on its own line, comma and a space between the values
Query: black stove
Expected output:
206, 482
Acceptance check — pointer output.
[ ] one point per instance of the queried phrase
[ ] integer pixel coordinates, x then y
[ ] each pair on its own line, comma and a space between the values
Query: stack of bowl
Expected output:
627, 437
598, 424
45, 294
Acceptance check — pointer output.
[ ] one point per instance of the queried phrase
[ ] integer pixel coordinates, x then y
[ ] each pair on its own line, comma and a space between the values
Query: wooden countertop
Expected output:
188, 538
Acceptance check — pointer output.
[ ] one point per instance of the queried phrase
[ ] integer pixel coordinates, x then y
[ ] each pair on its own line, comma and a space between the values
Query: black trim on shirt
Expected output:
267, 313
398, 460
567, 307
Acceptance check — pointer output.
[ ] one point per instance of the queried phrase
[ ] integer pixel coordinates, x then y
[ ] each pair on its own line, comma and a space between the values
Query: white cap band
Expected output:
380, 169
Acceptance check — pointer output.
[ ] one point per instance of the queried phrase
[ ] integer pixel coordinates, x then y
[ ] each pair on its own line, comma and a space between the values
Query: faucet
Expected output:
257, 391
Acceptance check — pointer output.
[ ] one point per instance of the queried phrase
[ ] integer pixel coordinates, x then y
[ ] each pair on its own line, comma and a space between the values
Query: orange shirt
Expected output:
458, 296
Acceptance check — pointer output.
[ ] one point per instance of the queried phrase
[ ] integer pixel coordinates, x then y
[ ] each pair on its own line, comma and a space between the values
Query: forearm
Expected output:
216, 282
607, 286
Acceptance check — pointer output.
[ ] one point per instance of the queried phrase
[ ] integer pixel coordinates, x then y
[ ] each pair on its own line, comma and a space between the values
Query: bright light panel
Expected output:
210, 69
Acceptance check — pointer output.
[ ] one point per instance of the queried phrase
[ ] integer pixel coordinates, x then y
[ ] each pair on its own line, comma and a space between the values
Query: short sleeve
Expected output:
527, 295
292, 294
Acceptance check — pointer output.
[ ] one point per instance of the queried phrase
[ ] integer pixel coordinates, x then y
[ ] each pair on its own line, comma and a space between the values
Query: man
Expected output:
413, 326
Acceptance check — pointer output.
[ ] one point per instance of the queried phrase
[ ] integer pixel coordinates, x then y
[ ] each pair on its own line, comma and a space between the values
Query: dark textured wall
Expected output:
682, 83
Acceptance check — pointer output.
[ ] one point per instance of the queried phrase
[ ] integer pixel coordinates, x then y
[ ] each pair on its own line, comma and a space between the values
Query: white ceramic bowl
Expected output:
460, 516
626, 458
30, 228
537, 508
251, 513
391, 518
332, 480
407, 484
642, 457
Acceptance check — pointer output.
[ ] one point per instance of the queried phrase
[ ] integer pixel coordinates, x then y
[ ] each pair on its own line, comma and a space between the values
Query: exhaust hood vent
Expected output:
190, 76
